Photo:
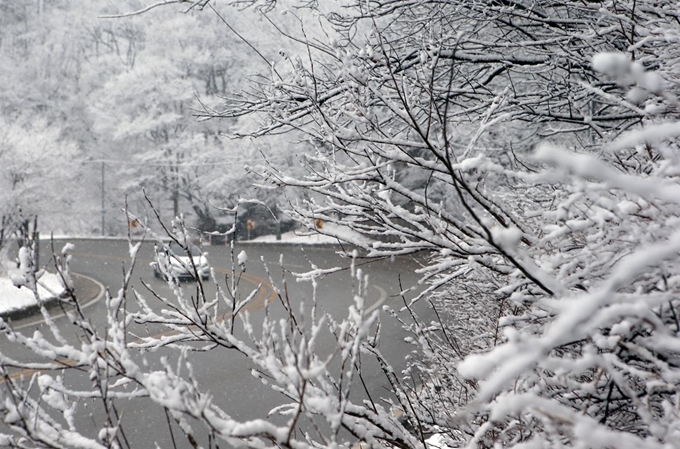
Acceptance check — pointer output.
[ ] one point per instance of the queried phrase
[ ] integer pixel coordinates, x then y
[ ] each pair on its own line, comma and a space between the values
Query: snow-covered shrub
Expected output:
597, 364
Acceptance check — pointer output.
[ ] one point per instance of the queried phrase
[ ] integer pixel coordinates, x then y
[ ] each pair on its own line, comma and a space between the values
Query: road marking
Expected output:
257, 303
254, 305
99, 296
104, 256
380, 301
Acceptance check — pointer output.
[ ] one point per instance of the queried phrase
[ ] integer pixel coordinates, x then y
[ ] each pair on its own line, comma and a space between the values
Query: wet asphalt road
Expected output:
227, 374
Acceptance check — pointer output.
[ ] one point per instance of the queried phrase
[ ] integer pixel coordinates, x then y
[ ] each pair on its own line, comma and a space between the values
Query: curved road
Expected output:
226, 374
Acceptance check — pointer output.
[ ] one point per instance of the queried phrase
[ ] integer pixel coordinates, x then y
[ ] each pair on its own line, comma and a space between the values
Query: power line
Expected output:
153, 164
169, 164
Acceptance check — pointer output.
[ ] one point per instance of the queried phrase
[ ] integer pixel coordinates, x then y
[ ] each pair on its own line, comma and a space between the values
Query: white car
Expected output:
177, 262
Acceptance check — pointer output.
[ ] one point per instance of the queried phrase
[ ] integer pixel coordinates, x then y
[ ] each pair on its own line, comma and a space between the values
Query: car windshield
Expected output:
179, 251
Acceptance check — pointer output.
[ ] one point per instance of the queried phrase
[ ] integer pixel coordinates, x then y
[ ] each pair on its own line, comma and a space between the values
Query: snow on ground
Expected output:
293, 237
315, 238
13, 298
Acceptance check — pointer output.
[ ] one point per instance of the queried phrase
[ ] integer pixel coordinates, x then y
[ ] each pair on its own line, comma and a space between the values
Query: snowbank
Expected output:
13, 299
300, 236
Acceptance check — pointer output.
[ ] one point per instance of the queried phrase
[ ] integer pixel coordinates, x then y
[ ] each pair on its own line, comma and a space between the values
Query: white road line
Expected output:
380, 301
102, 289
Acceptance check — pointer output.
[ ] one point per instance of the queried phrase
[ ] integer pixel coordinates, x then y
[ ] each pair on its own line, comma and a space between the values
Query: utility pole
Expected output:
175, 193
103, 198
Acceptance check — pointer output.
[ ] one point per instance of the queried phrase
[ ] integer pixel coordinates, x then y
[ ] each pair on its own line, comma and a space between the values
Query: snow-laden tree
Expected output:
182, 62
432, 122
596, 362
531, 149
55, 55
34, 163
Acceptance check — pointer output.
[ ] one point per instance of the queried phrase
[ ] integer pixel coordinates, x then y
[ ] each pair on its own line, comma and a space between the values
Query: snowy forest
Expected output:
528, 152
